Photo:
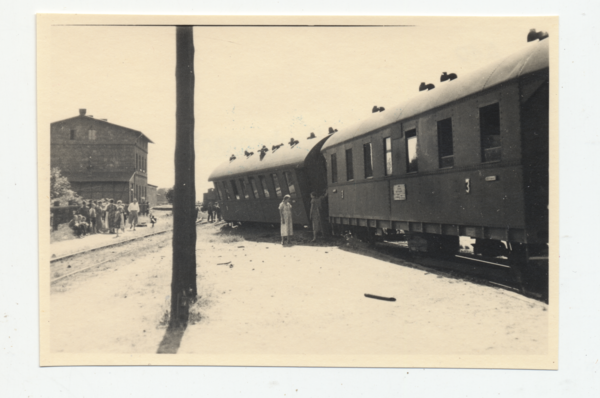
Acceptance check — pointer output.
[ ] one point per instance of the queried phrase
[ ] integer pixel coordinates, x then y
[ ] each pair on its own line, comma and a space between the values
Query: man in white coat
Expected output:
133, 209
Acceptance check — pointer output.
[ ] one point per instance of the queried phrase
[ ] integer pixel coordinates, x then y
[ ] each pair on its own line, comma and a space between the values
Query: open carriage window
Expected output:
290, 183
489, 123
445, 146
254, 188
412, 165
276, 185
263, 183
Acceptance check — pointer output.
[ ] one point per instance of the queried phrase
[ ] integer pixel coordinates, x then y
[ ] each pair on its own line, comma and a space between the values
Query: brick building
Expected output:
100, 159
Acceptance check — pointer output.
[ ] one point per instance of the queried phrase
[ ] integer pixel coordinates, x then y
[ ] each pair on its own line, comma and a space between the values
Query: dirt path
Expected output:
269, 299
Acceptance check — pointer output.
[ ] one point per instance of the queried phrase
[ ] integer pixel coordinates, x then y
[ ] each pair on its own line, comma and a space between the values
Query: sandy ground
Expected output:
303, 299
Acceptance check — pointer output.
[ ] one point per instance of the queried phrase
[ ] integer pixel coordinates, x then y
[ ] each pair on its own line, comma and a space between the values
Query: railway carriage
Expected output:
250, 187
466, 158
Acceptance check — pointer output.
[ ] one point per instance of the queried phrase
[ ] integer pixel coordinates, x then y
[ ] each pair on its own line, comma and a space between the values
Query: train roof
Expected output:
284, 157
531, 58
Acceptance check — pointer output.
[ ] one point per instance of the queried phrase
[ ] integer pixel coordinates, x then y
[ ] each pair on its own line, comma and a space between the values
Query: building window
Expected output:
235, 190
244, 187
368, 158
290, 183
489, 124
387, 152
412, 162
92, 135
445, 147
72, 136
276, 185
227, 194
349, 166
263, 184
334, 176
254, 188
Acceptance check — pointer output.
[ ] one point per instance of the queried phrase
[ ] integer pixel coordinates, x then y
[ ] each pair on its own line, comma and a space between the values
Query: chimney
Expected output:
82, 112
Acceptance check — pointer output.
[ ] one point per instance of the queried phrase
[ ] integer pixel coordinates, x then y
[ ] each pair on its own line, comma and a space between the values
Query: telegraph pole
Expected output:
183, 283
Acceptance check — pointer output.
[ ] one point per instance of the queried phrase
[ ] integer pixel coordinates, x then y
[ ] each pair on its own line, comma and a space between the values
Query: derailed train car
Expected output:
469, 157
466, 158
250, 187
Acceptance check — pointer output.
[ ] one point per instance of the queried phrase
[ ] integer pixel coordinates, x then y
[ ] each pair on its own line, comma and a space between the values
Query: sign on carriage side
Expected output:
399, 192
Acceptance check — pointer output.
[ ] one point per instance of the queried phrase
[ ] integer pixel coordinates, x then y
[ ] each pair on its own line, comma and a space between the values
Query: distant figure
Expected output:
293, 142
211, 212
119, 219
311, 136
93, 217
446, 76
248, 154
197, 213
111, 216
533, 35
332, 130
77, 225
133, 209
315, 213
276, 147
424, 86
217, 209
152, 218
232, 158
287, 226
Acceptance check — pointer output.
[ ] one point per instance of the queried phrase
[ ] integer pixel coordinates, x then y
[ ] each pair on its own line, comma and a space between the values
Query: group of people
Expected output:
214, 211
287, 224
106, 216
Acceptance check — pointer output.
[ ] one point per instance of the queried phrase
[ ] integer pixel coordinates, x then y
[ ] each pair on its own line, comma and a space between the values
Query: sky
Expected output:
261, 85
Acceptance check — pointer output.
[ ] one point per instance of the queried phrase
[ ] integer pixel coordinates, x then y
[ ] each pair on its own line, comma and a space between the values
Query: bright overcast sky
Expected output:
258, 86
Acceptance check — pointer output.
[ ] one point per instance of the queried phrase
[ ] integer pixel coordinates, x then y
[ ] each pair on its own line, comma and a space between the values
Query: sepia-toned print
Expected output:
299, 191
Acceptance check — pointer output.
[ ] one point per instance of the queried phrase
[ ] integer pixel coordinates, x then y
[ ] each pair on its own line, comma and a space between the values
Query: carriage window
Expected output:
333, 167
219, 191
276, 185
489, 123
387, 150
263, 183
290, 183
367, 154
412, 164
445, 147
254, 188
349, 168
227, 195
72, 136
235, 190
244, 186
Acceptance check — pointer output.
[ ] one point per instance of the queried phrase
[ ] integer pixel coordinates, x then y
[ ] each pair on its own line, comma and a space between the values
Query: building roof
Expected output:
103, 121
122, 176
531, 58
284, 157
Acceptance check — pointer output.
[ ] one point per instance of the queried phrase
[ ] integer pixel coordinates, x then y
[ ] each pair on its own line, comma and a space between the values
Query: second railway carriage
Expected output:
466, 158
251, 186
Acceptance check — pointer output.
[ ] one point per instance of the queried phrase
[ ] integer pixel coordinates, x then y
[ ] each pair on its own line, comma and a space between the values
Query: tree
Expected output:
183, 282
60, 188
161, 195
169, 195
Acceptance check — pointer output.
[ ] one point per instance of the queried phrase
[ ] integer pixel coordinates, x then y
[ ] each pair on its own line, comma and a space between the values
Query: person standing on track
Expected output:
133, 208
287, 226
211, 212
315, 213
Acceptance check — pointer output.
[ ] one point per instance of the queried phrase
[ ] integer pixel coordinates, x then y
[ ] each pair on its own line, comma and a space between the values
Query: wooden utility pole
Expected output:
183, 284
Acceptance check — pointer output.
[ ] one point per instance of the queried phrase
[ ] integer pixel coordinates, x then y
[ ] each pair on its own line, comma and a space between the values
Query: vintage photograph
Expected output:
299, 191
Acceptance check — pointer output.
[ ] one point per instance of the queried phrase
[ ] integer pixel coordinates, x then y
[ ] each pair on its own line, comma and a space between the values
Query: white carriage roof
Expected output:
532, 57
284, 157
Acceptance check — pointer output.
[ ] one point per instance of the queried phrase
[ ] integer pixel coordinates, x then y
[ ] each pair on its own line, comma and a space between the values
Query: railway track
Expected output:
495, 272
73, 256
